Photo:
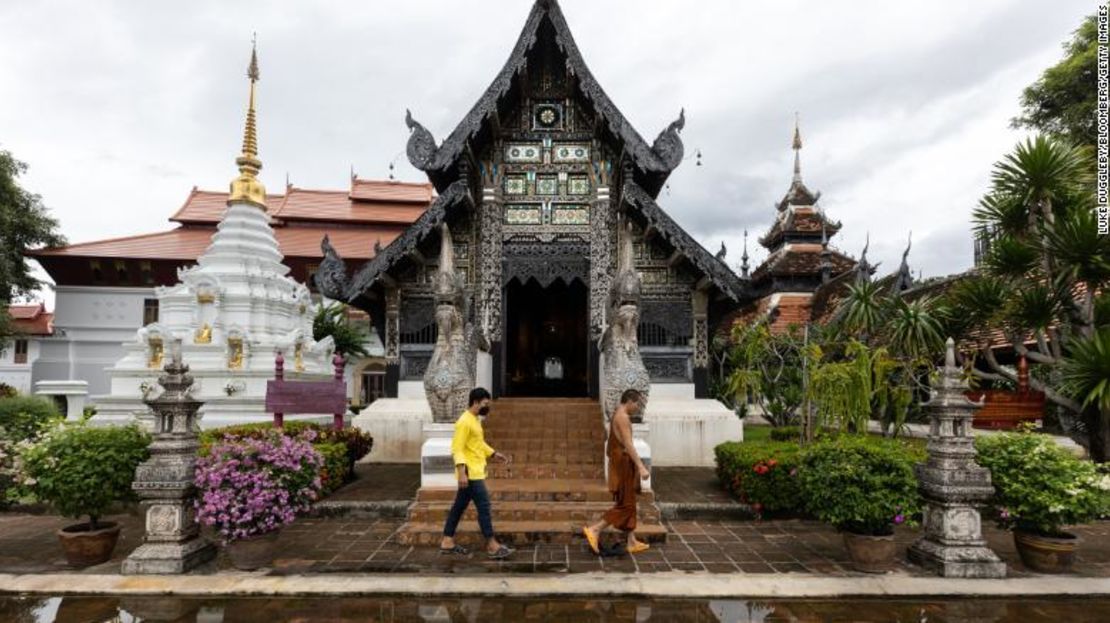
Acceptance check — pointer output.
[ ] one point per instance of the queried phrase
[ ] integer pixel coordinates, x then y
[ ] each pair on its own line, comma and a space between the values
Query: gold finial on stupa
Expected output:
247, 187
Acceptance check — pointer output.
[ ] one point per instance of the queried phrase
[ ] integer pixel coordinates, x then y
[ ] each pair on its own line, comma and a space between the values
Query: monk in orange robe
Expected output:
626, 470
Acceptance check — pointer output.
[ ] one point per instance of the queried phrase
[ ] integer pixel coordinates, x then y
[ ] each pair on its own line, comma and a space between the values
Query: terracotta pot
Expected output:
85, 547
253, 552
871, 554
1046, 554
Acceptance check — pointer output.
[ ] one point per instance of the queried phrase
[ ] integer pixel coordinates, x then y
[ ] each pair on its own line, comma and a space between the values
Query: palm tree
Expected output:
1041, 280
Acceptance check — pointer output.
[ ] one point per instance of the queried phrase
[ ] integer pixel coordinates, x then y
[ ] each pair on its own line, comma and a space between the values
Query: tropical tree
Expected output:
331, 320
766, 369
1042, 282
24, 224
1062, 102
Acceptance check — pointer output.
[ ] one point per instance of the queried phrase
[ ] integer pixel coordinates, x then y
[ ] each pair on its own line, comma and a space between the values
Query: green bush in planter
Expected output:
23, 417
81, 470
859, 484
1039, 486
762, 474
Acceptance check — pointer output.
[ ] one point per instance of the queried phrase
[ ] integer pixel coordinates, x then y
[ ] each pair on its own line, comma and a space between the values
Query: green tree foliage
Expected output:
1038, 282
331, 320
24, 224
1062, 101
767, 370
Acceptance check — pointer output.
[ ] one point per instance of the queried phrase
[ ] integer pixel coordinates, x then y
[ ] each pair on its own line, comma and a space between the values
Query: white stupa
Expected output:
232, 312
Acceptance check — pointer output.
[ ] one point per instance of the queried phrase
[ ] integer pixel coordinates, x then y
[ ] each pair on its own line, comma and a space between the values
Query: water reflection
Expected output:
491, 610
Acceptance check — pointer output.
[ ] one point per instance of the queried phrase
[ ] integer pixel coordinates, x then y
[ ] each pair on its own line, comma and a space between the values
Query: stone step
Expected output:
540, 490
532, 470
516, 533
436, 512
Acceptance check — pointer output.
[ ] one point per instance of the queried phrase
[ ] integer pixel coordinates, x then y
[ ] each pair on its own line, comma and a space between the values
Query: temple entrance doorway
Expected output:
546, 347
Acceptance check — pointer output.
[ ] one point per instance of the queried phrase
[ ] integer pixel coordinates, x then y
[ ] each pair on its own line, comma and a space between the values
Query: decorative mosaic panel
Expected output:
570, 215
547, 185
570, 152
523, 152
523, 214
578, 185
547, 116
516, 185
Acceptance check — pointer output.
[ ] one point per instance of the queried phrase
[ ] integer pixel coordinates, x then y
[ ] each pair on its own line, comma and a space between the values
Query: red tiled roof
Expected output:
188, 243
208, 206
801, 259
32, 319
337, 205
391, 191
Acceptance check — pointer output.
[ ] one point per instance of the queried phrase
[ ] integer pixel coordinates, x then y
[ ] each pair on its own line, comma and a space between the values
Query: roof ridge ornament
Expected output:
246, 188
421, 148
668, 145
797, 146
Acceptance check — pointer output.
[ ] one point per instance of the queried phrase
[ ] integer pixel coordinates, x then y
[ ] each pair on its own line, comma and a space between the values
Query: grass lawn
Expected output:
763, 433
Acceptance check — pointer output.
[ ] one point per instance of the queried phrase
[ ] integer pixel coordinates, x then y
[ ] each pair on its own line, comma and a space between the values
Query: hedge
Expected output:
762, 474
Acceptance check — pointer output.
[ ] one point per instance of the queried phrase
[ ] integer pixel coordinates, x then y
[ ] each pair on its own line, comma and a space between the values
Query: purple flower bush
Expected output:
253, 486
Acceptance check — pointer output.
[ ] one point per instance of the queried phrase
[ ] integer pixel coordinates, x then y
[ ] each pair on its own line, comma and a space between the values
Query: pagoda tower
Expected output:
231, 312
800, 259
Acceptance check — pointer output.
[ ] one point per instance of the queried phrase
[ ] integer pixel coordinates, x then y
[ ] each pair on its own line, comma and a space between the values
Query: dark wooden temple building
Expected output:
536, 184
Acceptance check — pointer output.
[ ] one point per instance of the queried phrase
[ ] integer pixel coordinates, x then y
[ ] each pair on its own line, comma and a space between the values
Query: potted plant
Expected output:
1039, 489
248, 488
864, 487
81, 471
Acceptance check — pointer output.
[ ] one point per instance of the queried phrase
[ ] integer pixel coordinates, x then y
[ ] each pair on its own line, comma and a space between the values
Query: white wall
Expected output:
90, 325
18, 375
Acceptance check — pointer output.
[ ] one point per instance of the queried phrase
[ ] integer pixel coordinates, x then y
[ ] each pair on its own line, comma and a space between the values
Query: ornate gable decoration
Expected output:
713, 268
654, 162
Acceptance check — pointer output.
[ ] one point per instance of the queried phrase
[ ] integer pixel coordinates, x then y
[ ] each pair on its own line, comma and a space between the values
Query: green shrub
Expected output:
786, 433
861, 484
22, 417
336, 469
1039, 486
762, 474
81, 470
7, 391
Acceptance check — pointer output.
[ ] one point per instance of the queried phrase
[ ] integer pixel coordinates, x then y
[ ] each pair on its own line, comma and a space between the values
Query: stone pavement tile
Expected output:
789, 567
688, 566
677, 556
714, 557
755, 567
652, 567
721, 567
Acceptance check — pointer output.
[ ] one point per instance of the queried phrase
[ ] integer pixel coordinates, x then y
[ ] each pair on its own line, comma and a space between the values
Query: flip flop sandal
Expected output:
592, 540
639, 547
458, 549
501, 553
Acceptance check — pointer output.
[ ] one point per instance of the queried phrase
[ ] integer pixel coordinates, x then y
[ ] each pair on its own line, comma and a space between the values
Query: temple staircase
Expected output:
554, 485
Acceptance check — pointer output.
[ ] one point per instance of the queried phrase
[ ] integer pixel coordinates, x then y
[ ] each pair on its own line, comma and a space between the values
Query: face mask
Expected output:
484, 411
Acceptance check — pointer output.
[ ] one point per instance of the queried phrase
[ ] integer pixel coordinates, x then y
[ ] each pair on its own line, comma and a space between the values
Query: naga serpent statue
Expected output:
451, 371
623, 368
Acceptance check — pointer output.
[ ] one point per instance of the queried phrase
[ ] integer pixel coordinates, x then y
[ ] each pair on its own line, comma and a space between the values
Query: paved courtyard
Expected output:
359, 542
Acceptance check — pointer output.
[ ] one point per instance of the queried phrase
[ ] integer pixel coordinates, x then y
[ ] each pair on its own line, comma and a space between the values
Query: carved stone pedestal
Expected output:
952, 484
172, 543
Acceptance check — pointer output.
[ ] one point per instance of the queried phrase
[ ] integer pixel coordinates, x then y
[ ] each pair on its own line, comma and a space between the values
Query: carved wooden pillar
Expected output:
392, 341
490, 292
700, 304
601, 271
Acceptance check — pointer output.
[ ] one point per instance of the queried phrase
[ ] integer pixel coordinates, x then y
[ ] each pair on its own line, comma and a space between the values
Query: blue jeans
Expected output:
476, 491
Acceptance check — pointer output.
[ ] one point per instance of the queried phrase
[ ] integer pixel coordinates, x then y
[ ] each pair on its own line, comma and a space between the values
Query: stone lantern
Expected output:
953, 485
164, 482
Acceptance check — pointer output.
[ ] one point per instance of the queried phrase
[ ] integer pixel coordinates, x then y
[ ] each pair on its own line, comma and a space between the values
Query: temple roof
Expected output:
709, 265
31, 319
653, 163
801, 259
805, 220
367, 201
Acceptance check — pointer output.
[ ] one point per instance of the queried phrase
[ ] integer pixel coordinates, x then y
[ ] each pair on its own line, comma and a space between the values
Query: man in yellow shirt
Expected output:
470, 451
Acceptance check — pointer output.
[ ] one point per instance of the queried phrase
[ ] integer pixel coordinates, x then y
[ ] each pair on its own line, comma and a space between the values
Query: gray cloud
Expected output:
122, 107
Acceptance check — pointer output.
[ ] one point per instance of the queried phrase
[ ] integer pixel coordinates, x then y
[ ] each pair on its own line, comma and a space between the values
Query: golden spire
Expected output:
247, 188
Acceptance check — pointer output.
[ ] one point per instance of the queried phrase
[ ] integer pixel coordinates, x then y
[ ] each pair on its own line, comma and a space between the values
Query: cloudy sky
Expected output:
120, 108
